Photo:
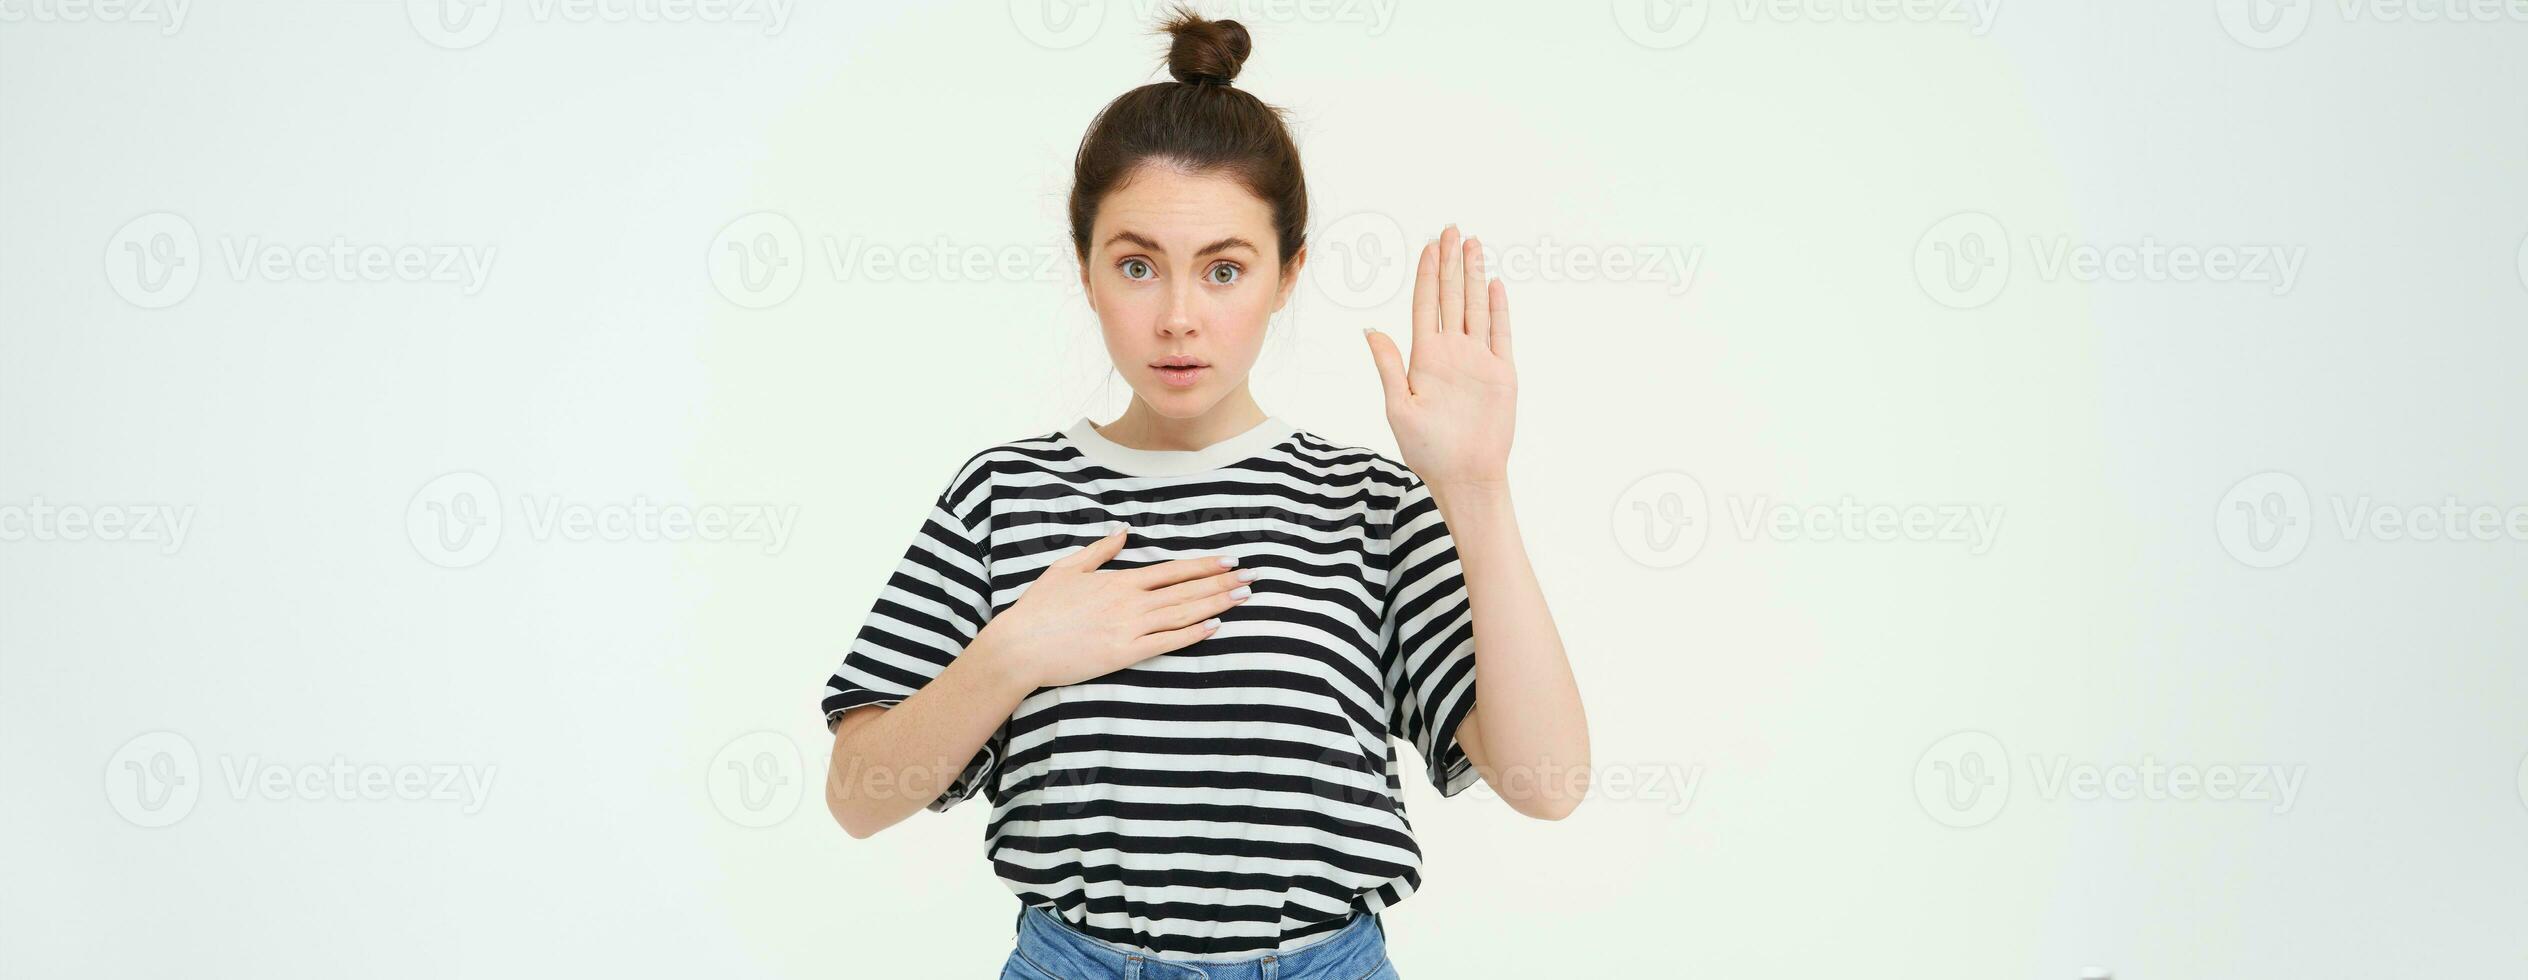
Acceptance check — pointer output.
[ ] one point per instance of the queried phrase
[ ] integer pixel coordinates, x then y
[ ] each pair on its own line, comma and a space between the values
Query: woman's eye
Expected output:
1135, 269
1224, 273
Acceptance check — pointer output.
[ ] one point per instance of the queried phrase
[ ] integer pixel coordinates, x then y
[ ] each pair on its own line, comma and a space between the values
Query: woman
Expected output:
1173, 650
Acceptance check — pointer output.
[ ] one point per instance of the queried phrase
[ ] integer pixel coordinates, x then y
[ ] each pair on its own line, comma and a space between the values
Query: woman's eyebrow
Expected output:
1222, 245
1126, 236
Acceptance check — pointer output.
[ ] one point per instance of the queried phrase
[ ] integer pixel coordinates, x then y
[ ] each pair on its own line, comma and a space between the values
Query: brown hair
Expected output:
1197, 123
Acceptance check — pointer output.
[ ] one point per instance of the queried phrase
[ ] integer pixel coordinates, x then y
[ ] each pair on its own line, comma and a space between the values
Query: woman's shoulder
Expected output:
976, 471
1345, 462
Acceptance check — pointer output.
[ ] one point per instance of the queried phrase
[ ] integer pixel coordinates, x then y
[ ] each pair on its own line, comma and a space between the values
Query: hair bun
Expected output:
1206, 50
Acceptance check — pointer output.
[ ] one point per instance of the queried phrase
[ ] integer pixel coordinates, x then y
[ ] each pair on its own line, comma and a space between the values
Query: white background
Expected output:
640, 714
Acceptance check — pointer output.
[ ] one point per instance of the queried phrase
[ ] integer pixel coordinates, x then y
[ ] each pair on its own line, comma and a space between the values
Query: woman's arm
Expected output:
890, 762
1527, 734
1453, 411
1074, 622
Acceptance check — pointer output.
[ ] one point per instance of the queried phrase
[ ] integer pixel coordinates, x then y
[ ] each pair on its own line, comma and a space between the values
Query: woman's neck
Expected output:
1142, 427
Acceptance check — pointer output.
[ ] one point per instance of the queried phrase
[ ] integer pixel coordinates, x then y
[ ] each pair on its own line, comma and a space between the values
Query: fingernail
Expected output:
1247, 575
1241, 592
1228, 561
1212, 623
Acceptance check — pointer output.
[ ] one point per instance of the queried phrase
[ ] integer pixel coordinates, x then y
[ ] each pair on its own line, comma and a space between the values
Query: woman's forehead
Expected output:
1181, 210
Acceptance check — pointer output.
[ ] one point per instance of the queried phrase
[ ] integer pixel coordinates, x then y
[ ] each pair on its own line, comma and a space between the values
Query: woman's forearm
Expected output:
1526, 734
890, 762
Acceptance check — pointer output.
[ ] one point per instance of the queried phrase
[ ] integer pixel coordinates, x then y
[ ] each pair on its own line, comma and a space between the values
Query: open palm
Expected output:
1453, 408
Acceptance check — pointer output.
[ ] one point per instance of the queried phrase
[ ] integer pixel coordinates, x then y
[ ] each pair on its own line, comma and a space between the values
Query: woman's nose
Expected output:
1179, 316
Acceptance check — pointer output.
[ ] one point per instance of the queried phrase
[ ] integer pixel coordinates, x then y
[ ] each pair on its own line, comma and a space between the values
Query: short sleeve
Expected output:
1430, 630
932, 605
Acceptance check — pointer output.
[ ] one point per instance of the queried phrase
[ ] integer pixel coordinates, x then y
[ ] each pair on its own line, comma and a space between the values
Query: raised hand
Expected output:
1078, 622
1453, 408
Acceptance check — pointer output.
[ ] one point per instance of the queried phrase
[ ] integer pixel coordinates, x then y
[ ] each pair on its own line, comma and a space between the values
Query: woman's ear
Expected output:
1086, 292
1290, 277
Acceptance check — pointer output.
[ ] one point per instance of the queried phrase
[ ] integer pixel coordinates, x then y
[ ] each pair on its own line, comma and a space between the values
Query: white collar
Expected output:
1175, 462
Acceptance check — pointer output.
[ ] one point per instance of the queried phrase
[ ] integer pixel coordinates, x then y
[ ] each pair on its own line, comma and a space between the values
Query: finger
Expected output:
1391, 378
1186, 614
1211, 585
1452, 282
1097, 553
1169, 573
1426, 292
1500, 320
1153, 644
1478, 309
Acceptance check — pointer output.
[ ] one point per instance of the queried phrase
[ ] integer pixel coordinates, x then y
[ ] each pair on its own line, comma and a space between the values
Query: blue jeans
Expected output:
1051, 949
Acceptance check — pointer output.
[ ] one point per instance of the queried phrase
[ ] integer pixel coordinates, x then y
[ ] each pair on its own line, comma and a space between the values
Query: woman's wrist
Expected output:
996, 667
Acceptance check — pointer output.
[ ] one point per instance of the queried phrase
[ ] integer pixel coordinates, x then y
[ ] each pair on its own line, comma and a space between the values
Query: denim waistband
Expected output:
1054, 946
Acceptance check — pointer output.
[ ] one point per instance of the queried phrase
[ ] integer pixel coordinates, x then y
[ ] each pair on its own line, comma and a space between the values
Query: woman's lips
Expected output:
1182, 377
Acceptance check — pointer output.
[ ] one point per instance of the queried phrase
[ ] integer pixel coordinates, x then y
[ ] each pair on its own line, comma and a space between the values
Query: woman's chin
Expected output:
1180, 403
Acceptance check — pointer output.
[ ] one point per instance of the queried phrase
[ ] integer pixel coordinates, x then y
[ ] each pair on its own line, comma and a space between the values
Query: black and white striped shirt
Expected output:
1237, 796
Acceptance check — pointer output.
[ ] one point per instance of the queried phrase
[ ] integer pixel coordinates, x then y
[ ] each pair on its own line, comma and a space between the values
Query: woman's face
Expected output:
1182, 270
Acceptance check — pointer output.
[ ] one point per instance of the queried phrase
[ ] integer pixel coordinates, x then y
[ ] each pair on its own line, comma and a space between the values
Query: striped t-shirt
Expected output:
1237, 796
